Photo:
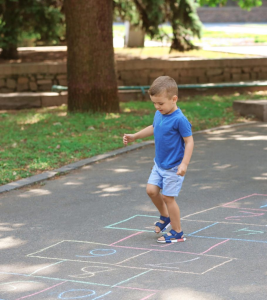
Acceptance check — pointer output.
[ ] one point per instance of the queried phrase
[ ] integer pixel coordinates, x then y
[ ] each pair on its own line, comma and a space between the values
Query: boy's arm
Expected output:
148, 131
189, 146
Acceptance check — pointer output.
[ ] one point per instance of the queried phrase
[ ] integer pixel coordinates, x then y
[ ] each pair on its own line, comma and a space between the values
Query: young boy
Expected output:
173, 149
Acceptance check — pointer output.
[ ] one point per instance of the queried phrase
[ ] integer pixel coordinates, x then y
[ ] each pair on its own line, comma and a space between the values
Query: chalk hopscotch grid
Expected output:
32, 275
147, 250
113, 226
118, 285
147, 270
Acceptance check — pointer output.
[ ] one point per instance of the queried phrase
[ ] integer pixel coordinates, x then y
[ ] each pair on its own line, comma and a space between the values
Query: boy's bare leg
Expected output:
174, 212
154, 194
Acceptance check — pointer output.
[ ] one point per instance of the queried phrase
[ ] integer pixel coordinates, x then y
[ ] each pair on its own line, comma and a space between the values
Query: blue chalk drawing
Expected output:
249, 231
102, 252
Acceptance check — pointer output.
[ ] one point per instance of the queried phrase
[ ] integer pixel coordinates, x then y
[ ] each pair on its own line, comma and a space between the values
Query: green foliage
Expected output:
149, 14
40, 18
244, 4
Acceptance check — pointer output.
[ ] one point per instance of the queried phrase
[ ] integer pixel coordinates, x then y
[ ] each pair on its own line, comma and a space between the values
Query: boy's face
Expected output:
163, 104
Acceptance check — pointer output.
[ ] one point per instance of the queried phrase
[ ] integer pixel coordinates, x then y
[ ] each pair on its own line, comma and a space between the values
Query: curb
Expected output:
73, 166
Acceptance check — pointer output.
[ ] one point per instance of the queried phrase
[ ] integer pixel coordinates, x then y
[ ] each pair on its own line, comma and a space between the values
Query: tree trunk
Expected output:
10, 30
92, 84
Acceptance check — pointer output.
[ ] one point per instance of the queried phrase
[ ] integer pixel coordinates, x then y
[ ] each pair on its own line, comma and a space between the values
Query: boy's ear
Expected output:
175, 98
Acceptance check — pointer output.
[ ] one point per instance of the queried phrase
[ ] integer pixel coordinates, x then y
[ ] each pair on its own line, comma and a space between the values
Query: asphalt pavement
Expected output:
89, 234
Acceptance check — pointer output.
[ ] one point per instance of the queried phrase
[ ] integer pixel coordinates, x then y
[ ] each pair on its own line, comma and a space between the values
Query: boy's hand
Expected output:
127, 138
182, 168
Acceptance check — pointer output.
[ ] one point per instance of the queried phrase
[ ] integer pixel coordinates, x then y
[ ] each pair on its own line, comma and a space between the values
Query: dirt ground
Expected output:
42, 56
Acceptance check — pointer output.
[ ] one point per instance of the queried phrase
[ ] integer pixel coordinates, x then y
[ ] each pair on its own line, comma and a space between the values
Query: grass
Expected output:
163, 52
36, 140
119, 31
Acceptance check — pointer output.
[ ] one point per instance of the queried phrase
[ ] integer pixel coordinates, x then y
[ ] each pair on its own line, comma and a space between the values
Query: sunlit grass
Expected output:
36, 140
164, 52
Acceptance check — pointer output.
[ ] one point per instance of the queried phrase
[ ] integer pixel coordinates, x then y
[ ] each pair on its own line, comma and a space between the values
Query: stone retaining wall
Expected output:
143, 72
39, 77
31, 77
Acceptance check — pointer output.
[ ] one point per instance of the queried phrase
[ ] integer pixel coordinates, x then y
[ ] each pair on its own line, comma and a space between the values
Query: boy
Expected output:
173, 150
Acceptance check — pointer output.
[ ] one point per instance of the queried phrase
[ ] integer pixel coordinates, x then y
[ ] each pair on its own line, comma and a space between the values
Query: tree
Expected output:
92, 84
34, 17
182, 14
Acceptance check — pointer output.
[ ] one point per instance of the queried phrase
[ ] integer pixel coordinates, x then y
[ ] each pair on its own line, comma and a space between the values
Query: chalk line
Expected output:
131, 278
45, 248
132, 257
199, 212
41, 291
215, 246
228, 223
109, 226
216, 266
231, 239
54, 278
158, 250
190, 234
147, 297
258, 209
126, 238
138, 289
242, 198
46, 267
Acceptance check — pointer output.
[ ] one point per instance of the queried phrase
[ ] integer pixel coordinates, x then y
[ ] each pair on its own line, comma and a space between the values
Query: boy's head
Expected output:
164, 84
164, 94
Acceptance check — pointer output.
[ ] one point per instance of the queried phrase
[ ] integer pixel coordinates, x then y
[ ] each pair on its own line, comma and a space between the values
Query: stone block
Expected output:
54, 99
256, 69
258, 108
236, 70
246, 70
22, 87
45, 87
216, 79
155, 74
262, 75
214, 72
19, 101
6, 90
203, 79
43, 81
226, 77
33, 86
245, 77
2, 83
187, 80
61, 76
11, 83
23, 80
254, 76
191, 72
125, 75
240, 77
63, 82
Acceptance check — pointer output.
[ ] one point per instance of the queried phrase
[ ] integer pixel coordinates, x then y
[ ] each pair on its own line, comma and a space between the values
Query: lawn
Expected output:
36, 140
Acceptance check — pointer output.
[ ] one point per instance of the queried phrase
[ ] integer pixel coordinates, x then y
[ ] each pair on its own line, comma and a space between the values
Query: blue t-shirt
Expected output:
169, 131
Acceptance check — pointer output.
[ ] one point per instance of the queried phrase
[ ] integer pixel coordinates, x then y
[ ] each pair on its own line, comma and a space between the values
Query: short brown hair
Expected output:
163, 84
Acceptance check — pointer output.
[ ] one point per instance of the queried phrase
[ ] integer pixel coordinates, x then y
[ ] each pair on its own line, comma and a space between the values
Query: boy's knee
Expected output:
152, 190
168, 199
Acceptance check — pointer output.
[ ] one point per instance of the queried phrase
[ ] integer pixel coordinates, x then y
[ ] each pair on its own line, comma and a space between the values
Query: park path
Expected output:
89, 234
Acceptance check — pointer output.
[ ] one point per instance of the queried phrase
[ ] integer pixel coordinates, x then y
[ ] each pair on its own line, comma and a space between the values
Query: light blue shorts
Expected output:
167, 180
